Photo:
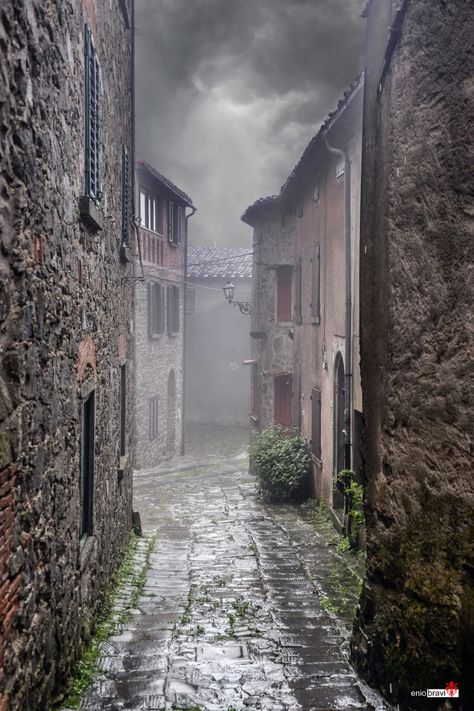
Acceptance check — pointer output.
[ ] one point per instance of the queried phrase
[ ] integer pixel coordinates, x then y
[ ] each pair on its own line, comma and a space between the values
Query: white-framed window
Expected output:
150, 211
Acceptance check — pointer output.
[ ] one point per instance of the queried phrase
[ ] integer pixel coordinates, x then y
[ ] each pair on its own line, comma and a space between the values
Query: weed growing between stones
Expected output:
108, 622
343, 583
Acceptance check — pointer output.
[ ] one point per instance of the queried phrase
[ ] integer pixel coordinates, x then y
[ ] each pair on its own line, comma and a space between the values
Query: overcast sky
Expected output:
229, 92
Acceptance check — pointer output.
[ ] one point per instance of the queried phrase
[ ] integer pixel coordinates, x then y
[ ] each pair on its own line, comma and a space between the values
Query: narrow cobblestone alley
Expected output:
232, 616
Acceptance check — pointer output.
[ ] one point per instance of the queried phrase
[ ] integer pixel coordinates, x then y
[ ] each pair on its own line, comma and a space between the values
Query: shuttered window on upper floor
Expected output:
173, 309
176, 222
156, 309
284, 284
298, 291
92, 116
316, 285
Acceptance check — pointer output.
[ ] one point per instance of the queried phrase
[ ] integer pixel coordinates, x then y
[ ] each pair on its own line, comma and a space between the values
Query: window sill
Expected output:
317, 462
90, 213
152, 232
155, 336
174, 334
316, 320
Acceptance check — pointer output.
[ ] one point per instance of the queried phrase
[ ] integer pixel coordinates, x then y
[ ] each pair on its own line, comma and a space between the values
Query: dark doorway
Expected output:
87, 465
339, 392
283, 400
171, 415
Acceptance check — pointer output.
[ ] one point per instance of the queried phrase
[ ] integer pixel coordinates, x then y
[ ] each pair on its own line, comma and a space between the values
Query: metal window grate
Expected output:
92, 123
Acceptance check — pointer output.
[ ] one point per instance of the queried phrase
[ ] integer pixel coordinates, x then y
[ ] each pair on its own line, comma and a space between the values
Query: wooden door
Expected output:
283, 400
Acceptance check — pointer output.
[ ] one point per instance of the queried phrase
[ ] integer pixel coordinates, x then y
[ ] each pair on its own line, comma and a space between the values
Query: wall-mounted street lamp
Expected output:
245, 307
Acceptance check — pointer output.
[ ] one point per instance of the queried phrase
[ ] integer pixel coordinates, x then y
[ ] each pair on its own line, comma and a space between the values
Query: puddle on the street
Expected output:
234, 614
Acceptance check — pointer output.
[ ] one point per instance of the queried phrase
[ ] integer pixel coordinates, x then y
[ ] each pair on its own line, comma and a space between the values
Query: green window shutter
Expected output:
125, 195
316, 286
92, 128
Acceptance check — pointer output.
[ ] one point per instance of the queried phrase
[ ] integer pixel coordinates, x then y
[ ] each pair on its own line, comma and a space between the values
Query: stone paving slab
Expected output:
231, 617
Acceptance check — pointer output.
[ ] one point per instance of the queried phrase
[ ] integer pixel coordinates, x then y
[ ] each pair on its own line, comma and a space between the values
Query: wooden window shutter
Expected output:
316, 286
150, 308
170, 221
180, 225
316, 422
284, 280
298, 291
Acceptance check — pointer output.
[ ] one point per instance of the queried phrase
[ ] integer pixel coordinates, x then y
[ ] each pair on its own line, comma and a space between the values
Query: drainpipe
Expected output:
342, 153
185, 287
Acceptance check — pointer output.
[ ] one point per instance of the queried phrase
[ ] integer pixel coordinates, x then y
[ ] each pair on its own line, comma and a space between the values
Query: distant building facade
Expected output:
66, 324
217, 337
306, 298
163, 210
415, 628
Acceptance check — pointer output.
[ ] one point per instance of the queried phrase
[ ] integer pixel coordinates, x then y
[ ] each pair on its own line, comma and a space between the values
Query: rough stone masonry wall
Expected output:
155, 358
65, 315
416, 625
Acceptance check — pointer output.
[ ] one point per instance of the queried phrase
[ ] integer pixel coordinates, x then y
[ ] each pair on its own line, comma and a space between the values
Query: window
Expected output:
92, 136
123, 410
316, 285
176, 220
190, 300
316, 423
254, 392
284, 279
283, 400
156, 309
298, 277
173, 309
125, 196
153, 418
150, 211
87, 465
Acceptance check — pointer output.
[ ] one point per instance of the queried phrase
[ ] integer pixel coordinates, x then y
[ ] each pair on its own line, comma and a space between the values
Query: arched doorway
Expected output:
338, 424
171, 414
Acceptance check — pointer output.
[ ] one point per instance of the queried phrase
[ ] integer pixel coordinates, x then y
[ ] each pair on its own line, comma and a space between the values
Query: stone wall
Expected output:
416, 624
156, 359
65, 330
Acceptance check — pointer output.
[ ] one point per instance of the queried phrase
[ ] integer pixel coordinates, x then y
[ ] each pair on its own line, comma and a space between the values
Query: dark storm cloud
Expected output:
230, 91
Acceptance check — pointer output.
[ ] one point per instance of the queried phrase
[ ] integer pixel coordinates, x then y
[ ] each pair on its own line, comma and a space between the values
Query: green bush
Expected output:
280, 460
346, 483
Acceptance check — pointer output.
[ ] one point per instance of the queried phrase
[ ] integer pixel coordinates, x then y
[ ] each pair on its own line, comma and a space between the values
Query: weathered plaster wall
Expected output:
416, 625
217, 343
272, 246
65, 325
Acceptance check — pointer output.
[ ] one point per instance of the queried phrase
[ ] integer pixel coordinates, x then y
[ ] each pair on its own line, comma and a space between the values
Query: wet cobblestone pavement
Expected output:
232, 616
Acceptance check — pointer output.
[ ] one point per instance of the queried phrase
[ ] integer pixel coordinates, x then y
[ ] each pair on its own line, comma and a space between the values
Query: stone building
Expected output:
305, 322
217, 337
159, 316
416, 625
65, 309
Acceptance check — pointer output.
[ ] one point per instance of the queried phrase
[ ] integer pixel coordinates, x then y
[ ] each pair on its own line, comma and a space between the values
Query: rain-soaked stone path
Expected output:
232, 616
